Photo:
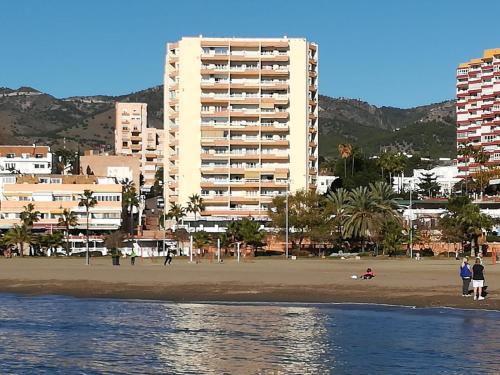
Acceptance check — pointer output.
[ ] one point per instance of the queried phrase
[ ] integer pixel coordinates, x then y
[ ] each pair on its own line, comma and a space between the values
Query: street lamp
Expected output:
411, 225
286, 222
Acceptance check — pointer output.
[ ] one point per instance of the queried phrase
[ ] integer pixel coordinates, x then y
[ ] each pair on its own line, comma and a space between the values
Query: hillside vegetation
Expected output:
28, 116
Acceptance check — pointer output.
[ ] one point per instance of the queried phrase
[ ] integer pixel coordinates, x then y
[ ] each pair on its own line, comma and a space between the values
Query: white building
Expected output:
446, 177
324, 182
25, 160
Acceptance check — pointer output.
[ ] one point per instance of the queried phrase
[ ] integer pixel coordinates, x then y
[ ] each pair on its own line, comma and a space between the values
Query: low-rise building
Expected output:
51, 194
121, 167
25, 159
324, 183
446, 178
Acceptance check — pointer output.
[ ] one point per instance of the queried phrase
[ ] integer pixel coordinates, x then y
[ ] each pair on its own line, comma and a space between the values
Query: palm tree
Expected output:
29, 216
129, 201
176, 212
88, 201
363, 215
68, 219
481, 157
52, 241
195, 205
383, 197
18, 235
345, 151
201, 240
336, 206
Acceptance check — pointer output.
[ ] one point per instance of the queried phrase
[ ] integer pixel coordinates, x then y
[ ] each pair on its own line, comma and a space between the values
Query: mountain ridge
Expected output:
29, 116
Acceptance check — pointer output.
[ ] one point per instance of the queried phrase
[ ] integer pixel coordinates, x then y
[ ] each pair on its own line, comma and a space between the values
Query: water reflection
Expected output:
65, 335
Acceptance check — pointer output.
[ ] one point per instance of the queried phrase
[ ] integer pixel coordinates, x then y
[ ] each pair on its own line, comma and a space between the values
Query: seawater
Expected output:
63, 335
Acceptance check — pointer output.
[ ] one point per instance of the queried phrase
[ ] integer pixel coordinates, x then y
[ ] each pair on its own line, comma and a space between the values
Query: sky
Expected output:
388, 53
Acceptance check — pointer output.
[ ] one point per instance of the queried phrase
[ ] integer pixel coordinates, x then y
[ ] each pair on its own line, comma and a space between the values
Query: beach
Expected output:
399, 281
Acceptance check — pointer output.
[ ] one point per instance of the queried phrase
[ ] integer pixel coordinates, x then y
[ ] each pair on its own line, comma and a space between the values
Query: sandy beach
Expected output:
430, 282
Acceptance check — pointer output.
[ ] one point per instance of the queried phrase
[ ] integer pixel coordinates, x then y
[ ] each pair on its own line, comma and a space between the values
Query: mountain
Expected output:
29, 116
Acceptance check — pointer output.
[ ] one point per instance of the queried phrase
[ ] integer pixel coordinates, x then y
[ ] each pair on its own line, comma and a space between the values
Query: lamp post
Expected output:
238, 250
411, 226
218, 250
286, 221
191, 248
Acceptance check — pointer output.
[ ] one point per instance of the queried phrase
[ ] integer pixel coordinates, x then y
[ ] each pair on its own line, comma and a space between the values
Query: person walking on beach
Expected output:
168, 258
466, 275
132, 256
478, 279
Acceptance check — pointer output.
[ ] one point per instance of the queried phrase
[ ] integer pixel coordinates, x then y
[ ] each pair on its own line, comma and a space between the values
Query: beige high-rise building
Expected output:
241, 121
134, 137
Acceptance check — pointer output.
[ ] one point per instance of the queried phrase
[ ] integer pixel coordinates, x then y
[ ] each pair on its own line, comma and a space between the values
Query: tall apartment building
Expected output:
241, 121
134, 137
51, 194
478, 109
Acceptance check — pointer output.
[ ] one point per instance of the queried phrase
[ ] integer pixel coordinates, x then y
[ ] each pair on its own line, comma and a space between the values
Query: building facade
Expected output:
446, 178
478, 110
134, 137
120, 167
51, 194
25, 160
241, 122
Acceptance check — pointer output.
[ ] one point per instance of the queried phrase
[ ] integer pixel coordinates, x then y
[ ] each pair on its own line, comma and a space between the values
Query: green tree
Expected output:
130, 200
393, 236
428, 185
195, 205
18, 235
201, 240
336, 211
363, 216
52, 241
29, 216
88, 201
157, 188
251, 234
68, 220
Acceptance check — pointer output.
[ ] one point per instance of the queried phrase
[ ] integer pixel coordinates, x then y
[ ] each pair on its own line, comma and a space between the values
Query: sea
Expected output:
65, 335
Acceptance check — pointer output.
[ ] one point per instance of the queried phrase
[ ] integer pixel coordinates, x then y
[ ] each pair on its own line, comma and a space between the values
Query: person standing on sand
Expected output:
466, 275
478, 279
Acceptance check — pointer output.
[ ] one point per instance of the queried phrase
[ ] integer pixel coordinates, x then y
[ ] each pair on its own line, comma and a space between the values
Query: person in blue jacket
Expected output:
466, 275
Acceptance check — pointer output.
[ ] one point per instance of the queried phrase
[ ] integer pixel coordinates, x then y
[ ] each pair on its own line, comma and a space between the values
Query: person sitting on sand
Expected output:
369, 274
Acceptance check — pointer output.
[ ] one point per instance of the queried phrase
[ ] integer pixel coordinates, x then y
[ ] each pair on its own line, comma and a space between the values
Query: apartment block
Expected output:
134, 137
51, 194
241, 121
25, 159
478, 109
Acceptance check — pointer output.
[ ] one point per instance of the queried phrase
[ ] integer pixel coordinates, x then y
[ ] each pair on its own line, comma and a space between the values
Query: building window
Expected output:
11, 156
10, 165
38, 156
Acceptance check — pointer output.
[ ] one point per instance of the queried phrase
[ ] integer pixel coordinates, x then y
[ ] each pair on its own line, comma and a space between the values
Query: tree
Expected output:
481, 157
176, 212
201, 240
88, 201
65, 160
157, 188
345, 151
68, 219
335, 209
114, 241
393, 236
363, 216
250, 233
305, 214
465, 220
195, 205
130, 199
18, 235
29, 216
52, 241
428, 185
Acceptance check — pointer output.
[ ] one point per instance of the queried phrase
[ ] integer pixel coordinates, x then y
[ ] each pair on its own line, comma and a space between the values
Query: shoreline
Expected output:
401, 282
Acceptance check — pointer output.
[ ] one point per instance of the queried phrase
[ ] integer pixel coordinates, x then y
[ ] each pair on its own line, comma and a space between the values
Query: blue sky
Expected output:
395, 53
